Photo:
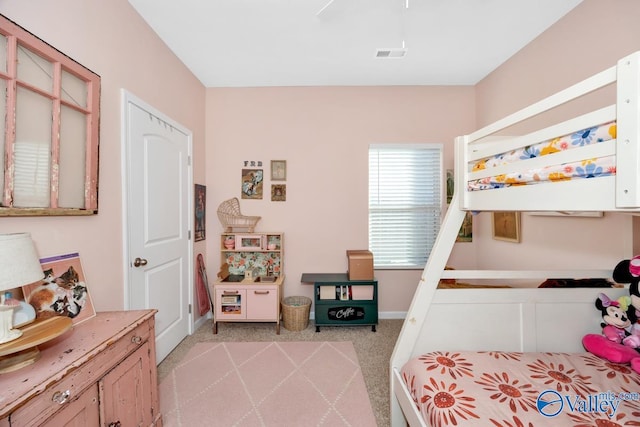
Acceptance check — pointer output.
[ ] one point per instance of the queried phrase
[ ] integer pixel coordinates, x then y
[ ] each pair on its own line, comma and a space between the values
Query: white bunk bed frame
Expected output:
522, 319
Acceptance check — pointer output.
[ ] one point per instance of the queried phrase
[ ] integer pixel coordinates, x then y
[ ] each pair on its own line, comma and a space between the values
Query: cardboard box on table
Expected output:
360, 265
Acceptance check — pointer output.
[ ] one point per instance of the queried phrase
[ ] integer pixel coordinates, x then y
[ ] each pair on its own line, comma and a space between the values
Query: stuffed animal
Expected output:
628, 272
615, 324
611, 345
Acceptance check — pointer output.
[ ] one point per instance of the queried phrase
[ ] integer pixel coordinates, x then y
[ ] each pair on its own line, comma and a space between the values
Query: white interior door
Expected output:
158, 221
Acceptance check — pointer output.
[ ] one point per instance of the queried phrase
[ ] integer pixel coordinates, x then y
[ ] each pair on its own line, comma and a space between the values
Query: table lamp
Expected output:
19, 265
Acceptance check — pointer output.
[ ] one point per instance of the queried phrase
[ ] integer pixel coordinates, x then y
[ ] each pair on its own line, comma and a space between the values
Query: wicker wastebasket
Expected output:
295, 313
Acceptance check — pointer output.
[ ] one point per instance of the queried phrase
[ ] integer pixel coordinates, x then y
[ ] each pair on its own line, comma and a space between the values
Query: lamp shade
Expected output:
19, 262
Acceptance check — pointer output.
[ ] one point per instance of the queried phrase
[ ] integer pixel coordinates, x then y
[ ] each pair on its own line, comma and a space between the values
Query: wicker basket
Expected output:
295, 313
233, 220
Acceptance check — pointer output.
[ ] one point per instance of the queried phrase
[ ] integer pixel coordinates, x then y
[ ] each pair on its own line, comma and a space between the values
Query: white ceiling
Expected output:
246, 43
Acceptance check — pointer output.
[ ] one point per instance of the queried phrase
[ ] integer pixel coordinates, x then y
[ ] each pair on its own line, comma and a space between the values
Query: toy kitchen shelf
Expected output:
264, 251
249, 284
343, 302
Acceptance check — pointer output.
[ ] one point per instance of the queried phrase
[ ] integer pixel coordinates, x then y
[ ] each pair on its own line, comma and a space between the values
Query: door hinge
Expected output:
189, 235
188, 160
189, 308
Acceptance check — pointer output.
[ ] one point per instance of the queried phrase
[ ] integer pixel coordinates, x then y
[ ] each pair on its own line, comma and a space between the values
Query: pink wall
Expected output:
589, 39
324, 134
592, 37
111, 39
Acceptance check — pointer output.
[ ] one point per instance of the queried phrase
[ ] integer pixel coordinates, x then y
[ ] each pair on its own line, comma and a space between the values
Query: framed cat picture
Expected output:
62, 291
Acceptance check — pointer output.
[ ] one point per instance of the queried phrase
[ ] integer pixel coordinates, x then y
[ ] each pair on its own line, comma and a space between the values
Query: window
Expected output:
49, 138
405, 203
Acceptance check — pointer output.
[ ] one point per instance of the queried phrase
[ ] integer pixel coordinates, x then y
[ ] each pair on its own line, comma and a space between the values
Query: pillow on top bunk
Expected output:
577, 283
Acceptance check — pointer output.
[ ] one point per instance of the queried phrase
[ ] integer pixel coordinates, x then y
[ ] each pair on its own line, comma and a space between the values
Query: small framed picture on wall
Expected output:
506, 226
200, 212
278, 170
278, 192
252, 183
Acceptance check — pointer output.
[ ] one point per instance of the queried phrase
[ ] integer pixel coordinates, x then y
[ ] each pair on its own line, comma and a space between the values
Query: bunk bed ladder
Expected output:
424, 294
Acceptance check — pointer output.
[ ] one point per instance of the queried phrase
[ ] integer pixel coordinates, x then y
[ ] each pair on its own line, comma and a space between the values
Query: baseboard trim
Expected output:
392, 315
201, 321
381, 315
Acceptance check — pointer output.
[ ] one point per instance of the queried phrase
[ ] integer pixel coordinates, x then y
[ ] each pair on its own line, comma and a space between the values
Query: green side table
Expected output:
339, 301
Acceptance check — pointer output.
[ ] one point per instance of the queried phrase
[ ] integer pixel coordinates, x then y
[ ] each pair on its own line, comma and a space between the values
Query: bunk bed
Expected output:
549, 169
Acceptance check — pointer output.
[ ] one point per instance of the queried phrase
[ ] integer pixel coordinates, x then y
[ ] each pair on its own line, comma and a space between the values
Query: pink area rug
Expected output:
267, 384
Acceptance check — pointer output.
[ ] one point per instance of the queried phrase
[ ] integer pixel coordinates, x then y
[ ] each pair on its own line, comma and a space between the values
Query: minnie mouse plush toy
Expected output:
615, 322
615, 344
628, 271
618, 344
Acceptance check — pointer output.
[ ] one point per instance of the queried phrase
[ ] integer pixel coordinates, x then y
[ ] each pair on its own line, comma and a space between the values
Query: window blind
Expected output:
405, 203
31, 176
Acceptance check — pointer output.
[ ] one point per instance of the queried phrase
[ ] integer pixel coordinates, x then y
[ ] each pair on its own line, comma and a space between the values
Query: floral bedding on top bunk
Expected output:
587, 168
522, 389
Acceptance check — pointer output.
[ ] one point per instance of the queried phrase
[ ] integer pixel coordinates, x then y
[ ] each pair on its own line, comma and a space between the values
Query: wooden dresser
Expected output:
100, 373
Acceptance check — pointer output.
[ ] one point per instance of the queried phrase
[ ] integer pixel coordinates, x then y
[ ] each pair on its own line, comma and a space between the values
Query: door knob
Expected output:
139, 262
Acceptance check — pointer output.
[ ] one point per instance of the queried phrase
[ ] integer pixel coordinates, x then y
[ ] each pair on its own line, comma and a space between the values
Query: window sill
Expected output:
46, 212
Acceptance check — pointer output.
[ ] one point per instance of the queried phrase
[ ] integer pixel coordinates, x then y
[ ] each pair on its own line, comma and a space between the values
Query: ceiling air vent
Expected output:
391, 53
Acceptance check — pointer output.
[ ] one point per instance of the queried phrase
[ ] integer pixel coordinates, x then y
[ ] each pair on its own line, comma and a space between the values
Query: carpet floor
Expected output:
373, 349
267, 384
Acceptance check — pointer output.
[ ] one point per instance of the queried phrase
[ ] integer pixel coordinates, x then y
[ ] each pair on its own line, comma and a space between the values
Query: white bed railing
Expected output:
479, 149
619, 193
525, 274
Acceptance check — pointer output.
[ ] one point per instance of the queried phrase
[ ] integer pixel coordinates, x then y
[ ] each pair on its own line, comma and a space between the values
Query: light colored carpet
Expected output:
373, 350
267, 384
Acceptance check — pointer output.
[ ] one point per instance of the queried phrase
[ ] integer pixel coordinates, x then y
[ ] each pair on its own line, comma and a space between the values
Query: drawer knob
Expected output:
116, 424
61, 397
136, 339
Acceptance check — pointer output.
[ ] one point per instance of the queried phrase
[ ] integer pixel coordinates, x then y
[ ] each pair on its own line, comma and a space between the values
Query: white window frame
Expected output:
18, 38
396, 238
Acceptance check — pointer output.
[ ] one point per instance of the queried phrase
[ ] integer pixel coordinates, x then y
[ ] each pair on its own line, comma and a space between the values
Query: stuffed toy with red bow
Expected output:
626, 351
620, 339
628, 272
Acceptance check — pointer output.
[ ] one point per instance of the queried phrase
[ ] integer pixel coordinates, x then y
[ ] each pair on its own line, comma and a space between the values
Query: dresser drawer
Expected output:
59, 394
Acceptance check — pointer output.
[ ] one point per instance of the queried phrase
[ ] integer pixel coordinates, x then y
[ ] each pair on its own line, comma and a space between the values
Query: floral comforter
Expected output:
586, 168
522, 389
